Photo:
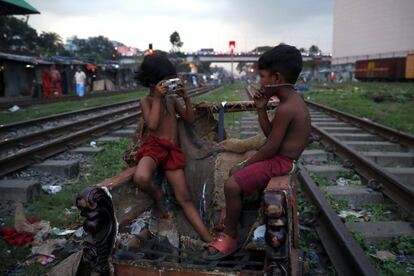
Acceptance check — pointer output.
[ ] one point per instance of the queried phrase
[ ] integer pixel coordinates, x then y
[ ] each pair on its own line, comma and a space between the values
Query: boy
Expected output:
287, 135
159, 150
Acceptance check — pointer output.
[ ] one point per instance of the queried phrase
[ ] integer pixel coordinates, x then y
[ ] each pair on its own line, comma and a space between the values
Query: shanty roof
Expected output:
10, 7
26, 59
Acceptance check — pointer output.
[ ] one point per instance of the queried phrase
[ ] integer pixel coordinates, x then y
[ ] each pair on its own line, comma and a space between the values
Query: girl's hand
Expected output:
160, 89
181, 89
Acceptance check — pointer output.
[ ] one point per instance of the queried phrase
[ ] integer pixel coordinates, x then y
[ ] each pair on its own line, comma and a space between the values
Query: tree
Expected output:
17, 35
204, 67
50, 43
262, 49
314, 50
176, 41
303, 50
98, 48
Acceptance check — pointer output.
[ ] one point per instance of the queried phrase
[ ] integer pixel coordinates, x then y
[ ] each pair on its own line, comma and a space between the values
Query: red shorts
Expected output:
166, 155
256, 176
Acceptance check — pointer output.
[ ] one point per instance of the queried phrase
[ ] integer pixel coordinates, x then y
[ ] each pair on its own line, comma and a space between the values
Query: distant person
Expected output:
287, 135
64, 81
55, 79
80, 79
46, 83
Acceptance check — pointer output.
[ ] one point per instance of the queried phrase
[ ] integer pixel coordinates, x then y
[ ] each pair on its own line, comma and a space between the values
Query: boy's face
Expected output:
266, 77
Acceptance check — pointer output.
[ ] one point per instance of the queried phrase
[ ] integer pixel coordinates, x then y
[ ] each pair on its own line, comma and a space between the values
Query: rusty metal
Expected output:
229, 107
277, 233
156, 252
345, 253
397, 191
100, 226
386, 132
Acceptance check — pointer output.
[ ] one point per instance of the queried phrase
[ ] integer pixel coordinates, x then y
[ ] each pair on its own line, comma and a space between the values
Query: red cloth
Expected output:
256, 176
166, 155
46, 84
12, 237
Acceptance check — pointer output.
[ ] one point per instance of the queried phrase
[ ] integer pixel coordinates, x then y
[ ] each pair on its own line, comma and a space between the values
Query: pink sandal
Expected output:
224, 244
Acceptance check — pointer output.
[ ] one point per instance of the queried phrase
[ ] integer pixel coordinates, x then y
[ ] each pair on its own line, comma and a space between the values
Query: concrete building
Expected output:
371, 29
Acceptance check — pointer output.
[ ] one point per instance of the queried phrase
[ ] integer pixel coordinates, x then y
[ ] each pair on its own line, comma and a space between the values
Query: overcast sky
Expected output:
200, 23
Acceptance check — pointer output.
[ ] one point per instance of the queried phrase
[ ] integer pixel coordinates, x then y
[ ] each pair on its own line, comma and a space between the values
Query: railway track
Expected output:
29, 101
42, 138
354, 167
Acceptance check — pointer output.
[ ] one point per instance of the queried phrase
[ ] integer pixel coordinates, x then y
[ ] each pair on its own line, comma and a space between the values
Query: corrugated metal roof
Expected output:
26, 59
10, 7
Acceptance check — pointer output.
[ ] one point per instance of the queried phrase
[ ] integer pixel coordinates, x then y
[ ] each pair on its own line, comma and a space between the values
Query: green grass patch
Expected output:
321, 181
226, 93
315, 146
337, 205
357, 98
401, 247
41, 110
59, 209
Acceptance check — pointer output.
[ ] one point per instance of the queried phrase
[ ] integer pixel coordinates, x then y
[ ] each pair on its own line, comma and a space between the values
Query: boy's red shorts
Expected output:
256, 176
166, 155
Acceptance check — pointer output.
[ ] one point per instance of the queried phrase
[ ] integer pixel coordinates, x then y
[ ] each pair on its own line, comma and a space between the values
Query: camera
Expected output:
172, 85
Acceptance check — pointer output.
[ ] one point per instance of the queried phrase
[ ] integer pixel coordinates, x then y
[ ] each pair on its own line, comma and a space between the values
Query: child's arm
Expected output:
260, 102
152, 112
280, 125
187, 114
264, 122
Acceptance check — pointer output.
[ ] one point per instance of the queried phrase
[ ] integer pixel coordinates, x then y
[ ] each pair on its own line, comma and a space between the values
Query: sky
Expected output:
200, 23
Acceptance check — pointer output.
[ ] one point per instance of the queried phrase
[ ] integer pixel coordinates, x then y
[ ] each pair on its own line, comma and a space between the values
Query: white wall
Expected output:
366, 29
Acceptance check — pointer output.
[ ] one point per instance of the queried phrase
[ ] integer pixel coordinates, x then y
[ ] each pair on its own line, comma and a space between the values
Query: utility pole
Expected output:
232, 45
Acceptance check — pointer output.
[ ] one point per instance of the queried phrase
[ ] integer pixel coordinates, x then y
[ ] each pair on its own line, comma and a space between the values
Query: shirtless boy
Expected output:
287, 135
160, 150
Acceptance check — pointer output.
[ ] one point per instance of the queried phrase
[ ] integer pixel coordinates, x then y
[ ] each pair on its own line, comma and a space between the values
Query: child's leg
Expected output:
143, 178
177, 180
233, 194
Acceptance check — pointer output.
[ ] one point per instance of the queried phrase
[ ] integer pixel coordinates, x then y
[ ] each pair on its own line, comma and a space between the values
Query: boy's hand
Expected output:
260, 100
181, 89
160, 89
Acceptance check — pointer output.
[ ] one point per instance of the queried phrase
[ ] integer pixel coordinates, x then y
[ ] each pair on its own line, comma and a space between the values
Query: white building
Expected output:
369, 29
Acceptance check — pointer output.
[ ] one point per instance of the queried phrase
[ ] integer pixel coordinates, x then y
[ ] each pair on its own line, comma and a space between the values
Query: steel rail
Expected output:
399, 192
35, 137
24, 102
389, 133
345, 253
8, 127
43, 151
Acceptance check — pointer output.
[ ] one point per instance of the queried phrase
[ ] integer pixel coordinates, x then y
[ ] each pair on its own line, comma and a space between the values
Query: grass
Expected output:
227, 93
58, 208
42, 110
357, 98
399, 246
